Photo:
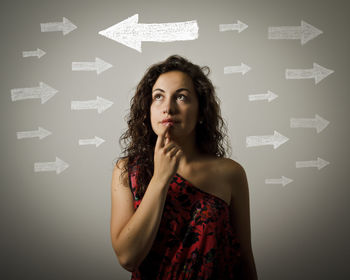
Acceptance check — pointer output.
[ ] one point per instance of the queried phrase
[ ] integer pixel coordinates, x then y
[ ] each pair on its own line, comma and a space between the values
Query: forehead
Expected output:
173, 80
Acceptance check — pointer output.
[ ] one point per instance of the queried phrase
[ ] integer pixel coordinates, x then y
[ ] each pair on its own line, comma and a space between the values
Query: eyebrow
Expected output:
178, 90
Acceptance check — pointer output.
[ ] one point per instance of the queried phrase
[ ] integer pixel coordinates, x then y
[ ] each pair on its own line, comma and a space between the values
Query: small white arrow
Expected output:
58, 166
39, 53
94, 141
99, 66
243, 68
283, 181
65, 26
44, 92
317, 122
41, 133
319, 163
264, 96
305, 32
239, 26
99, 103
276, 140
317, 72
131, 34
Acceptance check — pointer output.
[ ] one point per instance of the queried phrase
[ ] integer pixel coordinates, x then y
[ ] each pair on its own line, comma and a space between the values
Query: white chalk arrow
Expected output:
99, 66
99, 103
44, 92
264, 96
39, 53
317, 122
41, 133
65, 26
319, 163
239, 26
276, 140
58, 166
94, 141
317, 72
305, 32
131, 33
282, 181
243, 68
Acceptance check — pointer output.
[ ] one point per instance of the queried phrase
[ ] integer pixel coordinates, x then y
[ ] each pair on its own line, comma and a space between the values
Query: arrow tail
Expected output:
285, 32
302, 123
83, 105
25, 93
51, 26
299, 74
168, 32
44, 166
83, 66
87, 141
273, 181
301, 164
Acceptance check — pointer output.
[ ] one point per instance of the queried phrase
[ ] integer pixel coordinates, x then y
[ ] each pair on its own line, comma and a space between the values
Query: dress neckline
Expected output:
200, 190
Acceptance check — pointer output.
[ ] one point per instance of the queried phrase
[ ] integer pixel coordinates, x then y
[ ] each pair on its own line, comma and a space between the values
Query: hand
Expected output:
167, 156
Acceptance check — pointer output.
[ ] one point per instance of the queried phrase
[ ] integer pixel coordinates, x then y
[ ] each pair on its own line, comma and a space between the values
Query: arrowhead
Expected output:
286, 181
271, 96
321, 123
101, 65
308, 32
320, 72
40, 53
98, 141
278, 139
321, 163
103, 104
43, 133
68, 26
47, 92
242, 26
60, 165
124, 33
245, 68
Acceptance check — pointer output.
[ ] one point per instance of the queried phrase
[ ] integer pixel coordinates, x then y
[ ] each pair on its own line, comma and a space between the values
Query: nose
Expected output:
169, 106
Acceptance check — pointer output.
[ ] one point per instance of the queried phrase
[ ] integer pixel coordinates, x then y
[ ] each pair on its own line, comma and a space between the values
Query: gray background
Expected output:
57, 226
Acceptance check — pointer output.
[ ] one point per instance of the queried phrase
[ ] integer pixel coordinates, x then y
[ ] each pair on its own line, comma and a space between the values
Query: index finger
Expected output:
161, 136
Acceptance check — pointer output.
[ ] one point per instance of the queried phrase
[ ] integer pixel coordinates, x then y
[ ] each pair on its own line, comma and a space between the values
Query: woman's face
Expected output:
174, 97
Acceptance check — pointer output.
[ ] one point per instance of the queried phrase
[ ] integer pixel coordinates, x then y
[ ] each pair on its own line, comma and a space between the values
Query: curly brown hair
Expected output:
139, 139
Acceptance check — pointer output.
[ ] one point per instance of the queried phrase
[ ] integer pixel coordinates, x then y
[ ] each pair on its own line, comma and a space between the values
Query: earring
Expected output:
200, 122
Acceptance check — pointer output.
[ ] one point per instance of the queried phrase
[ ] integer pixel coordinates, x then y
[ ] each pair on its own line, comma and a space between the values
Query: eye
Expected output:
182, 97
156, 96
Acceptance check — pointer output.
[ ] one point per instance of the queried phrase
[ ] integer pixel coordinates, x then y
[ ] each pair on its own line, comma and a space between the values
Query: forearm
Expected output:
135, 240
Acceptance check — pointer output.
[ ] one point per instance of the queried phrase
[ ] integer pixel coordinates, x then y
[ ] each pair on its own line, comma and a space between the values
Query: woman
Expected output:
180, 209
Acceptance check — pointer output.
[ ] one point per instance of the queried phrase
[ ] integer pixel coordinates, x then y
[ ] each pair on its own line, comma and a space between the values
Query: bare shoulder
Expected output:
234, 174
118, 171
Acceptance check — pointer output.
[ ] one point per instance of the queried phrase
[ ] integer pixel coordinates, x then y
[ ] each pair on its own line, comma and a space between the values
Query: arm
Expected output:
240, 218
133, 232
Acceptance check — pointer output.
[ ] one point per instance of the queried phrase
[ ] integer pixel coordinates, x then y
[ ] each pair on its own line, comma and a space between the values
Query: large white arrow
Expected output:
65, 26
99, 103
243, 68
282, 181
317, 72
94, 141
305, 32
264, 96
44, 92
239, 26
319, 163
131, 33
39, 53
317, 122
58, 166
41, 133
99, 66
276, 140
